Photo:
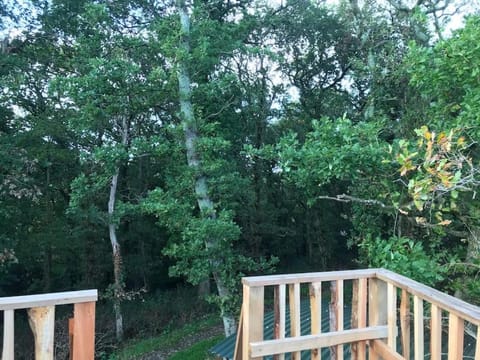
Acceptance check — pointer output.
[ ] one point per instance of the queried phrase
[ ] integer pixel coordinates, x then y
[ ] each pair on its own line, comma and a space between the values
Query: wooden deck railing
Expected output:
382, 306
41, 316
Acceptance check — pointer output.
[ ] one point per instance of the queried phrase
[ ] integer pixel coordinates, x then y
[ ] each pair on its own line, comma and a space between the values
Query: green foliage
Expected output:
404, 256
166, 341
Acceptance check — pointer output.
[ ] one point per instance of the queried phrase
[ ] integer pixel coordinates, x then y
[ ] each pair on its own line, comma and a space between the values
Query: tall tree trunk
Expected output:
116, 254
204, 201
117, 259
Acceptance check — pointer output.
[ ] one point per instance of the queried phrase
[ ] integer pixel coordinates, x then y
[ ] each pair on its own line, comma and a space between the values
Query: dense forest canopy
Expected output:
147, 144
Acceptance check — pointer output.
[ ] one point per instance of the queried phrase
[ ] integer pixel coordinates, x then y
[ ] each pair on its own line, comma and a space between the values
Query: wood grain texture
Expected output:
456, 333
307, 342
42, 300
435, 333
84, 331
418, 351
8, 334
308, 277
42, 323
315, 292
295, 321
405, 323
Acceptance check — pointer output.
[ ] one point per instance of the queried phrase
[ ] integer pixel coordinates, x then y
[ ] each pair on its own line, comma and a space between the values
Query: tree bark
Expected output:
190, 129
116, 254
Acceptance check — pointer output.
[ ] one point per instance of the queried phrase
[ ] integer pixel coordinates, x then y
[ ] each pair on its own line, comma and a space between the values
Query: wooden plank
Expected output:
477, 346
84, 331
279, 325
449, 303
362, 316
384, 351
377, 307
333, 316
392, 316
436, 333
237, 353
295, 321
339, 308
307, 342
8, 334
315, 292
308, 277
253, 307
418, 351
405, 323
354, 319
42, 323
455, 337
42, 300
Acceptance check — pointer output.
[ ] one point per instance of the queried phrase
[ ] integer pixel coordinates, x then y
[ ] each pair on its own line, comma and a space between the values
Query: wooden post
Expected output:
279, 313
405, 323
253, 302
8, 334
362, 316
436, 333
295, 321
455, 337
419, 352
377, 307
316, 315
42, 323
84, 331
333, 316
354, 318
392, 316
339, 309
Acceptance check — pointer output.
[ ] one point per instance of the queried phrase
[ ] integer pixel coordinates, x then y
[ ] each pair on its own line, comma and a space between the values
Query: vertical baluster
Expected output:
405, 323
362, 316
436, 333
279, 313
339, 309
294, 301
8, 334
455, 337
418, 328
42, 323
84, 331
333, 316
392, 316
316, 315
354, 318
377, 307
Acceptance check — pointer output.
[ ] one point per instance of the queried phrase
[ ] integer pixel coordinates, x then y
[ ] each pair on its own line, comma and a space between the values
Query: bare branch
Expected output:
347, 198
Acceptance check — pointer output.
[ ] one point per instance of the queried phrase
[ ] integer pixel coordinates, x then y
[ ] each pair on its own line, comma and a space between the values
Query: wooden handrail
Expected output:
52, 299
444, 301
41, 313
391, 300
300, 278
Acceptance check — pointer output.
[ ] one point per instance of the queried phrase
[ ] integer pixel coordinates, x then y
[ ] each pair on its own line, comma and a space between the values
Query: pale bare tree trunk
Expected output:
204, 201
116, 254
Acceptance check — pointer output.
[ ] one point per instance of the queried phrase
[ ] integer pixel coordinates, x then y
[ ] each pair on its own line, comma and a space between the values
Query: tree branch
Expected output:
347, 199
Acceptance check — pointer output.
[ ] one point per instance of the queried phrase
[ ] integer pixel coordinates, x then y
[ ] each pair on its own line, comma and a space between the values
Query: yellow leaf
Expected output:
420, 220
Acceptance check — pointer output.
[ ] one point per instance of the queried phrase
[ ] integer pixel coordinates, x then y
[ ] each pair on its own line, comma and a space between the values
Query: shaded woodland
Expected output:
160, 150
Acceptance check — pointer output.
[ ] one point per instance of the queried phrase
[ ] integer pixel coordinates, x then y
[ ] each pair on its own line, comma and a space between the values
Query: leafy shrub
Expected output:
404, 256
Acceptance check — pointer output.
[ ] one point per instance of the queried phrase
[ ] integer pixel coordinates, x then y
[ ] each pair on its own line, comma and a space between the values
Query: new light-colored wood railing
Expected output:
41, 316
382, 304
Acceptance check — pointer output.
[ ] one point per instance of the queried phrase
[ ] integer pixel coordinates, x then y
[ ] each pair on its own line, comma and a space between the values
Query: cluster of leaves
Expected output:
404, 256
